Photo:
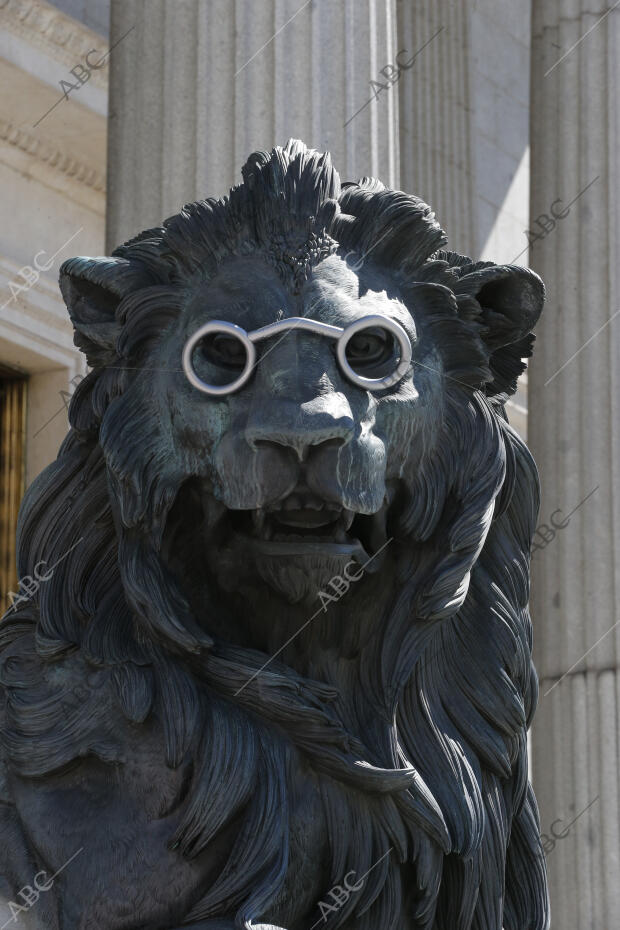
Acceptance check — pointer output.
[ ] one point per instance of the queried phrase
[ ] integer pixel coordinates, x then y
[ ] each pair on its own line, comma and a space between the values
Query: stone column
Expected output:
197, 85
464, 119
574, 419
436, 154
464, 126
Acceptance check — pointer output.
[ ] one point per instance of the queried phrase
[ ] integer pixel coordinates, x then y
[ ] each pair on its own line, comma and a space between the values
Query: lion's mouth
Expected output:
306, 520
306, 525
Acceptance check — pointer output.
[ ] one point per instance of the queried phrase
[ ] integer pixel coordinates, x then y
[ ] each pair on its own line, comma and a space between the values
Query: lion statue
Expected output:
278, 671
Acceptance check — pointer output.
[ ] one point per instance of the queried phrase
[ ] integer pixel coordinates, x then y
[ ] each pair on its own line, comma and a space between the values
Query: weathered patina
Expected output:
280, 673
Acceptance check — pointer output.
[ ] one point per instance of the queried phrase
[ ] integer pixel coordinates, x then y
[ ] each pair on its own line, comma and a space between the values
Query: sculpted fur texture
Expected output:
284, 639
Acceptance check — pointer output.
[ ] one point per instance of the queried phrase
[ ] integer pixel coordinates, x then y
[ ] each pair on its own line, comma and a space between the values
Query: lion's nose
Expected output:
300, 428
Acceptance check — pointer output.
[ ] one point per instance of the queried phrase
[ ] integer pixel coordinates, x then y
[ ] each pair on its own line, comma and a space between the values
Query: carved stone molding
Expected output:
55, 157
60, 36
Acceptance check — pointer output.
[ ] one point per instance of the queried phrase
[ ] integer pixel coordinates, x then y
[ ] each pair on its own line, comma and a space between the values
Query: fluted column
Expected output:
574, 419
464, 125
436, 155
197, 85
464, 119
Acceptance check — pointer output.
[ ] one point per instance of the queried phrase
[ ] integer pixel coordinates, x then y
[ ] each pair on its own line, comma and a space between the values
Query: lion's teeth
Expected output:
313, 503
261, 526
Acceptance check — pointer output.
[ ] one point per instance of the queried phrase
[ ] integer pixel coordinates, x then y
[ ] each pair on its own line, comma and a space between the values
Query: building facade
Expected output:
52, 184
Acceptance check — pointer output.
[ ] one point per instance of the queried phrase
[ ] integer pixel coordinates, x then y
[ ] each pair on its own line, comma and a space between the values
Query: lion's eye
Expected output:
224, 351
369, 348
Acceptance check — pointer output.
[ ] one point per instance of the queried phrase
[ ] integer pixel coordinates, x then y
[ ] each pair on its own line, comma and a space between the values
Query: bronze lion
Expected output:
280, 672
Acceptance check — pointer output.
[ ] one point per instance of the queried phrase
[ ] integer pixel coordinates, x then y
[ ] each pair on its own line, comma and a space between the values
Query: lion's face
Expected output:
304, 472
298, 468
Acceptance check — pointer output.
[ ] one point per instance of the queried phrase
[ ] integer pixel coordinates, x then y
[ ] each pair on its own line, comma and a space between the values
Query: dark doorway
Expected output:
13, 388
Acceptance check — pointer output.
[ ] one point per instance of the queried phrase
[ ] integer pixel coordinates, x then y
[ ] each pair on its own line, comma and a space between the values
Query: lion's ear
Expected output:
510, 298
507, 301
92, 289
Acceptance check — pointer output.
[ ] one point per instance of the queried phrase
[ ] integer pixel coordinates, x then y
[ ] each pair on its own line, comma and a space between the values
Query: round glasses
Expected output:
244, 352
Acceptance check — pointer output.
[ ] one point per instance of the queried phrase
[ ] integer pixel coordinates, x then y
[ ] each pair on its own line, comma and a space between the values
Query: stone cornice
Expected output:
55, 157
59, 36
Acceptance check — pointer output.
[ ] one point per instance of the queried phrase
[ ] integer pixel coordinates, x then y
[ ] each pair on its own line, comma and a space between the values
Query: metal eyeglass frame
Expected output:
342, 336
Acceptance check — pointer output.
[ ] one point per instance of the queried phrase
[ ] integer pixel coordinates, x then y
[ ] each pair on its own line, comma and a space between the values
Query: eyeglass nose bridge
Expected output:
342, 335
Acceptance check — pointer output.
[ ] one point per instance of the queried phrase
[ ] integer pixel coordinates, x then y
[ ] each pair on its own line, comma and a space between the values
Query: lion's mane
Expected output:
441, 782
